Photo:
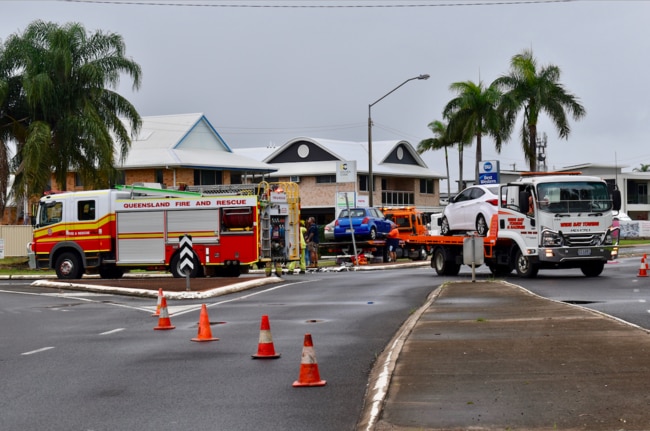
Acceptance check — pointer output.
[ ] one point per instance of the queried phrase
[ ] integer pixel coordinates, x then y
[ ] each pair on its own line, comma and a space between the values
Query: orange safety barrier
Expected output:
309, 375
160, 295
265, 348
205, 333
643, 270
164, 322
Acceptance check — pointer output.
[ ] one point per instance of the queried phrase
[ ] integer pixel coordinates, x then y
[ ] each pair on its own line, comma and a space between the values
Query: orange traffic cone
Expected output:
205, 333
265, 349
309, 375
160, 295
643, 270
163, 321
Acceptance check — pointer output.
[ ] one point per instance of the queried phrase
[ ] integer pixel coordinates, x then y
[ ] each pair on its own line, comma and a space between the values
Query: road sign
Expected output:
489, 172
186, 254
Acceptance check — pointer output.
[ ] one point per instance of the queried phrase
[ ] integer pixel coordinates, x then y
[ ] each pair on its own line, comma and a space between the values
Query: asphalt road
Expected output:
77, 360
84, 361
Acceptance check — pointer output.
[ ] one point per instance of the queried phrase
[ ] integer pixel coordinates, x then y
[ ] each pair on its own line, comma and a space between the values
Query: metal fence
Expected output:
15, 239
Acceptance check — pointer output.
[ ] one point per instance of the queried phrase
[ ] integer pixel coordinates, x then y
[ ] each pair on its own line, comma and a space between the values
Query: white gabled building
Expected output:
400, 175
185, 149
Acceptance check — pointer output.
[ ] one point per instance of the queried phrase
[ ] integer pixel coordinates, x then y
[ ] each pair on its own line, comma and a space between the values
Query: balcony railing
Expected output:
397, 198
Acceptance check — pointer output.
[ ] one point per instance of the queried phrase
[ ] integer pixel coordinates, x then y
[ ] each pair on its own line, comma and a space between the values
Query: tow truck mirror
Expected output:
616, 200
524, 197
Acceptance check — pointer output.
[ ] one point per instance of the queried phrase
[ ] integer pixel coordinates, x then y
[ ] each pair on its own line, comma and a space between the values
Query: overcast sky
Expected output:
269, 71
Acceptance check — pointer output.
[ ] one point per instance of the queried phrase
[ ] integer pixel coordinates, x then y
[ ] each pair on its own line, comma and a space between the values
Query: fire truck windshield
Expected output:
573, 197
49, 213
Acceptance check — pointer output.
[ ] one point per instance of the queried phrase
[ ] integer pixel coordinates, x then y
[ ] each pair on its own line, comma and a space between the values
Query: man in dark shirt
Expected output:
312, 242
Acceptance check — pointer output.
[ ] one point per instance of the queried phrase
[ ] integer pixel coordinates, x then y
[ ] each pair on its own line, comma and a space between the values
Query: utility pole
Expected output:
541, 153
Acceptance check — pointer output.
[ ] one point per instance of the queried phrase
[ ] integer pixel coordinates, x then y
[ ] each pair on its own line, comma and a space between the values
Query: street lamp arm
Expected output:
371, 181
396, 88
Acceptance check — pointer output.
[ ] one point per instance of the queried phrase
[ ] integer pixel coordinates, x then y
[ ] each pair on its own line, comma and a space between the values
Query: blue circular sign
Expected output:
487, 166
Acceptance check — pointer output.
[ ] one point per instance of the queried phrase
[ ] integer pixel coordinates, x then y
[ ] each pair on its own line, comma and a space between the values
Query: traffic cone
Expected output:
643, 270
163, 321
265, 349
160, 295
205, 333
309, 375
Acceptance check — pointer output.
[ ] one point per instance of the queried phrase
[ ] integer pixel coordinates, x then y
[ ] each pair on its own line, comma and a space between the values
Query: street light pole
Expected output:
371, 181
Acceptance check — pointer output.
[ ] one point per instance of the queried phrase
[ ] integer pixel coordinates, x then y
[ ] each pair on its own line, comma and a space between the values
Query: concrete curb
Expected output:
237, 287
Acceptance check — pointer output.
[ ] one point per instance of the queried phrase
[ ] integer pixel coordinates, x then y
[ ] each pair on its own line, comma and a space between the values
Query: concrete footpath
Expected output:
494, 356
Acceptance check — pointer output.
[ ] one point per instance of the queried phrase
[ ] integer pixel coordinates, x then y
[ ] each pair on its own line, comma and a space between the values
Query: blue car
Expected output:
367, 223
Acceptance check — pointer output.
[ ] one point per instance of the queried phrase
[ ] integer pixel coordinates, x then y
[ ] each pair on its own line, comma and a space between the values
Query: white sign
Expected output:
346, 172
340, 201
488, 172
180, 204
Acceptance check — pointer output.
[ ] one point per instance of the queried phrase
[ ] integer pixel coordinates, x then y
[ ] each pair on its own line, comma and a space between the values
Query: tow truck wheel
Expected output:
444, 227
481, 225
68, 266
592, 269
441, 265
524, 267
500, 270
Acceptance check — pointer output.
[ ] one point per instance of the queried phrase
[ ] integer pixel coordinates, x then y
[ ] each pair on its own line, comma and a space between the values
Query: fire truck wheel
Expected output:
592, 269
68, 266
524, 267
444, 227
481, 225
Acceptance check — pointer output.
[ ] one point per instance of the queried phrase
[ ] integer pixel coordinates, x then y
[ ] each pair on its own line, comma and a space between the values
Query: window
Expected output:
86, 210
78, 181
426, 186
236, 178
49, 213
326, 179
642, 191
207, 178
119, 177
363, 183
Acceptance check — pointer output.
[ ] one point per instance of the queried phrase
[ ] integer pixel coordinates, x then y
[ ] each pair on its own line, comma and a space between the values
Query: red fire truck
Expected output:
137, 227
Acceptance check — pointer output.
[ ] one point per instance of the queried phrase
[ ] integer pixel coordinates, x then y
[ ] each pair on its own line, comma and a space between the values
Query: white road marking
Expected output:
112, 331
37, 351
195, 307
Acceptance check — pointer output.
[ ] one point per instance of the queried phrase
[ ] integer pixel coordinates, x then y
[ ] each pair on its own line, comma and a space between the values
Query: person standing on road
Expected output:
312, 242
392, 242
303, 247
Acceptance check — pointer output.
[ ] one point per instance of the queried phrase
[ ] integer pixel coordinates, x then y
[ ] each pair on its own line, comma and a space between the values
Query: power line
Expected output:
342, 5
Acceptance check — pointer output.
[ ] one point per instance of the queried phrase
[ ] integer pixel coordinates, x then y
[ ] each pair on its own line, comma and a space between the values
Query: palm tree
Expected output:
642, 168
474, 114
67, 114
535, 91
439, 141
442, 140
